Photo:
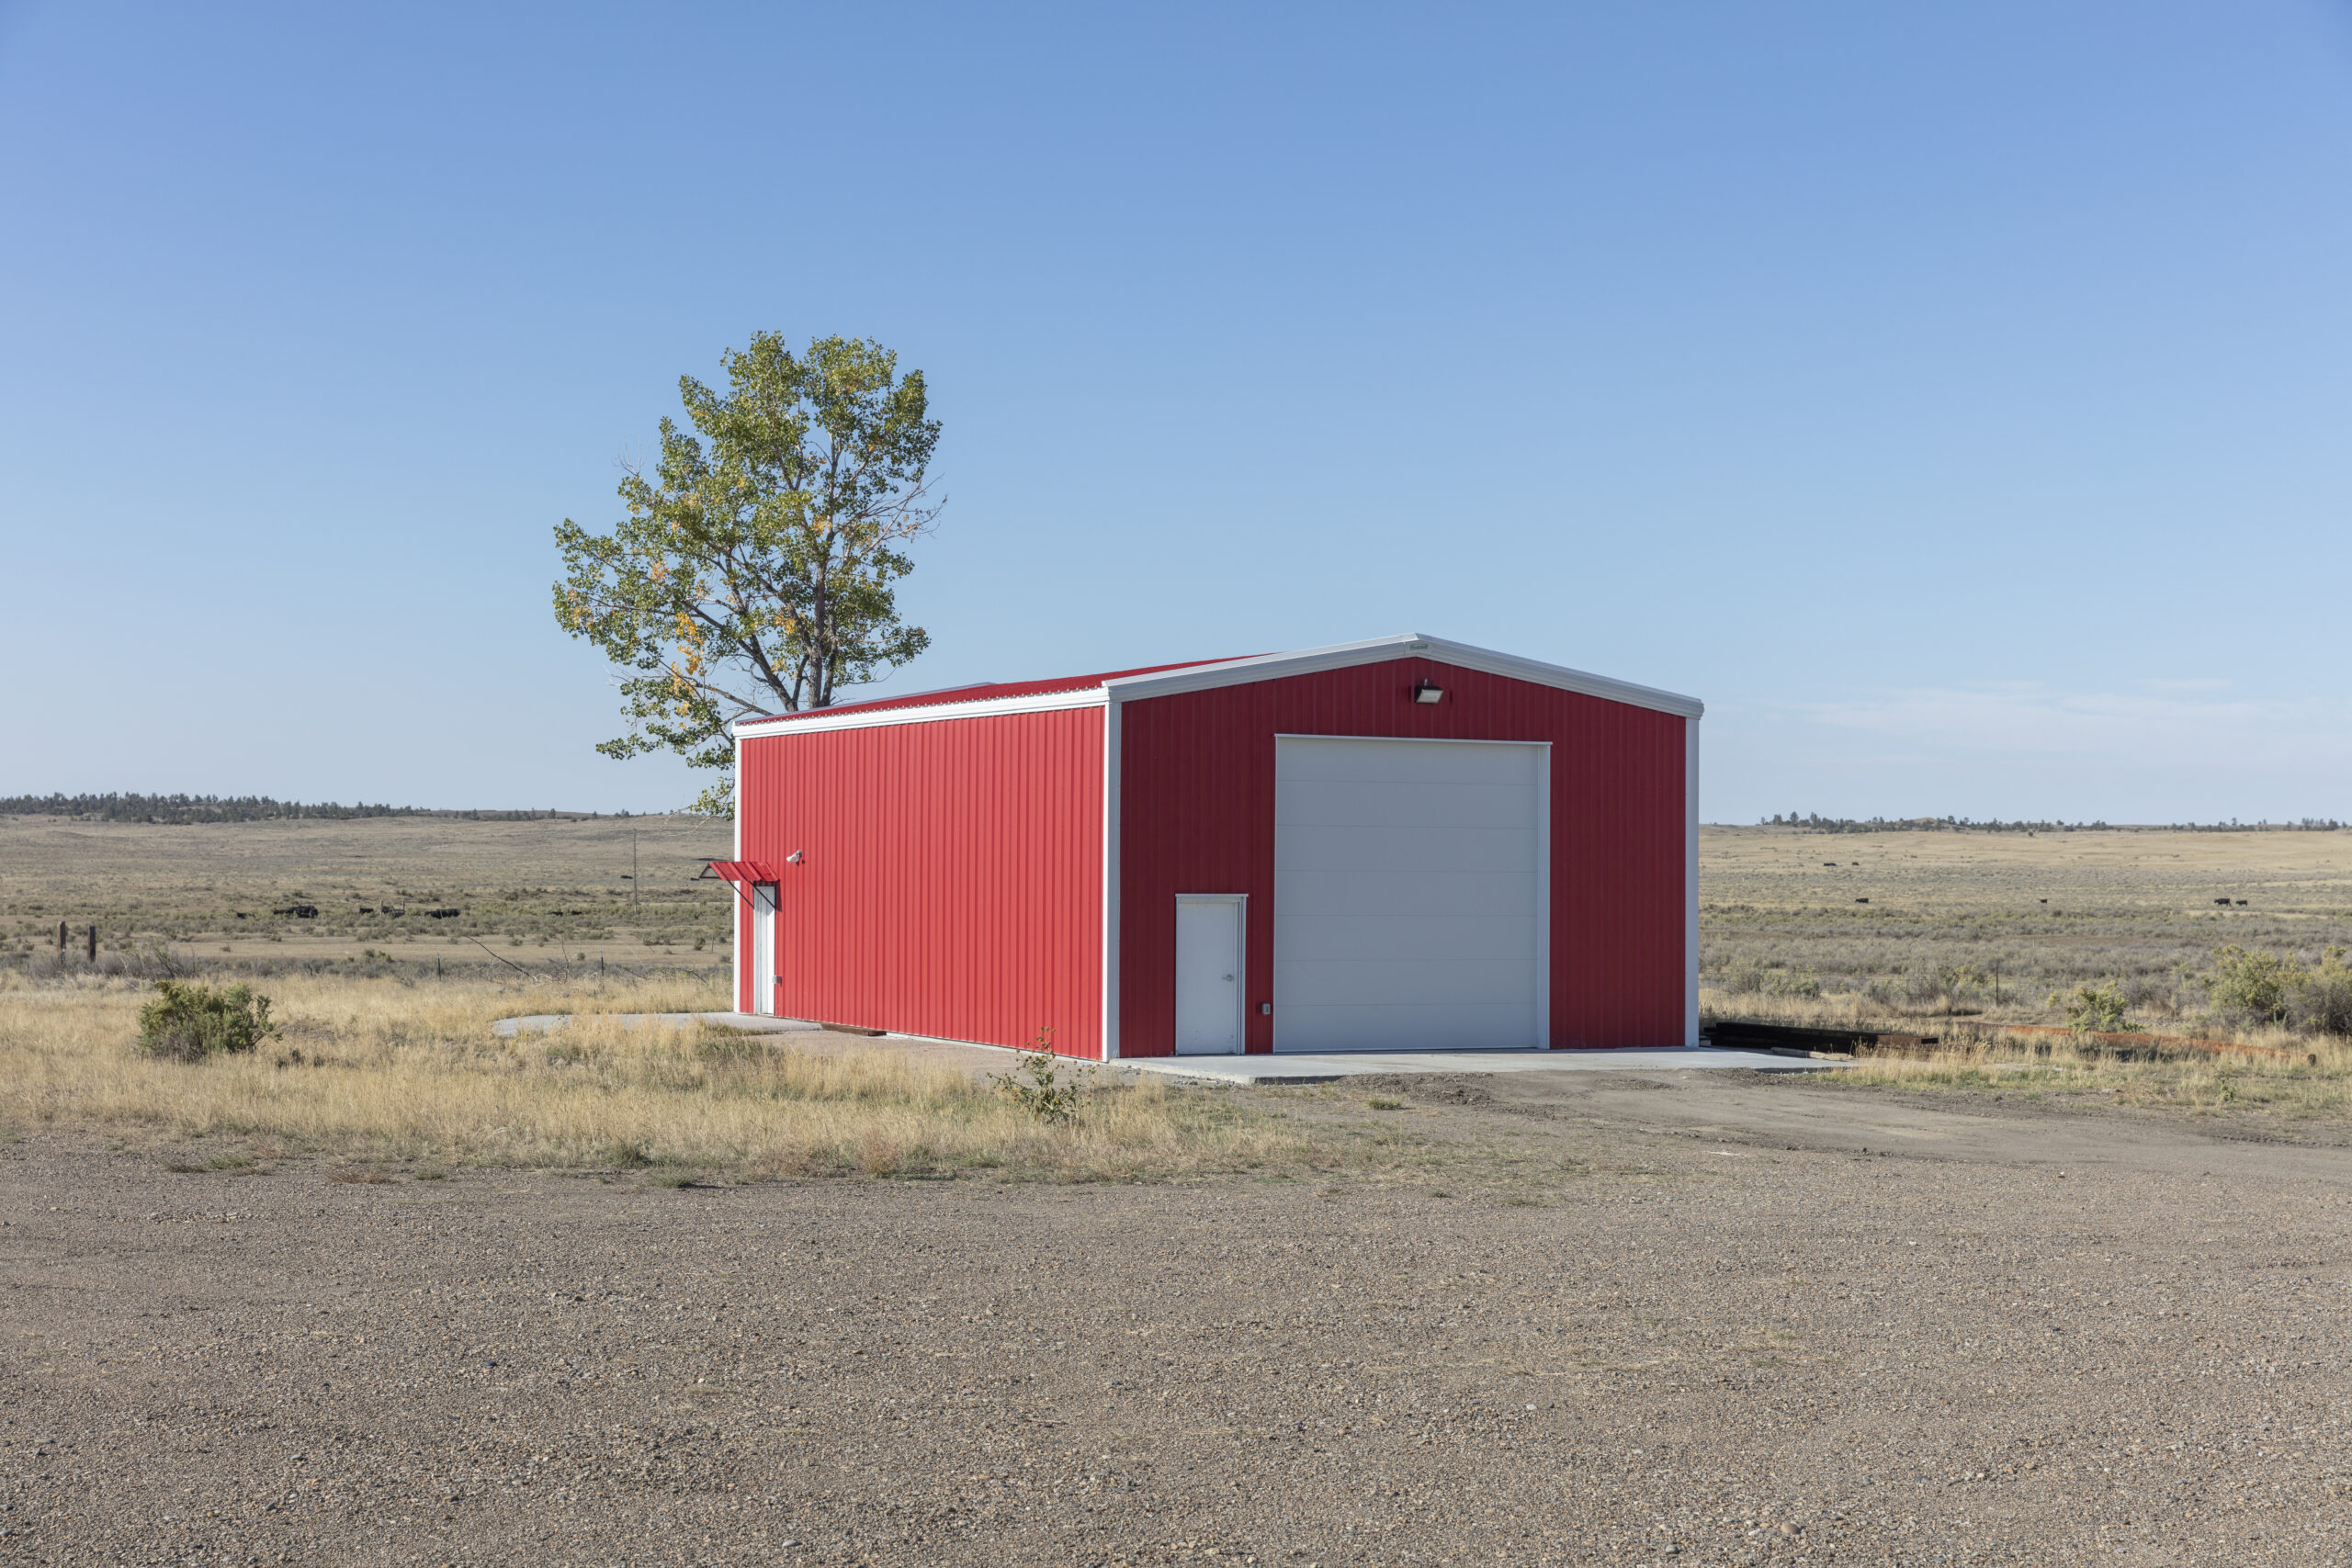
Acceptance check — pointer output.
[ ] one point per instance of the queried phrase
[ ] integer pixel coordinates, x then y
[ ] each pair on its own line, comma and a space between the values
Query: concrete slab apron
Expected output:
1280, 1069
1269, 1069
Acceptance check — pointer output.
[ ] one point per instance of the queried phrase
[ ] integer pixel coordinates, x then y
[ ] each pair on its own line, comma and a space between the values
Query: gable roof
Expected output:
980, 692
1166, 680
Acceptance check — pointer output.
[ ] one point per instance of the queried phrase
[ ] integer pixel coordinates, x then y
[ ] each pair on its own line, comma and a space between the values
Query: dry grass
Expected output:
380, 1072
1992, 926
540, 894
1964, 933
1994, 1061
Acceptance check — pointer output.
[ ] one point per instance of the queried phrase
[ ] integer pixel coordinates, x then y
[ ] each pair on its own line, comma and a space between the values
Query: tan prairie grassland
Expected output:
624, 886
408, 1075
2040, 910
1955, 933
2305, 872
1916, 924
386, 1052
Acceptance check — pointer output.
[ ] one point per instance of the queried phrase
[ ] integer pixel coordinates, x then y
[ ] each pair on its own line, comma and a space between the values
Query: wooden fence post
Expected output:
60, 941
94, 944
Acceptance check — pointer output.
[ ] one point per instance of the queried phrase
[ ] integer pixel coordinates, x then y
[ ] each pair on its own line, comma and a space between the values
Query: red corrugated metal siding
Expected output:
743, 949
951, 879
1197, 812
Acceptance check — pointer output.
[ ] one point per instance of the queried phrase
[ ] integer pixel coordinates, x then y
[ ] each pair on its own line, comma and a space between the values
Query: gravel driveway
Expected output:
2052, 1339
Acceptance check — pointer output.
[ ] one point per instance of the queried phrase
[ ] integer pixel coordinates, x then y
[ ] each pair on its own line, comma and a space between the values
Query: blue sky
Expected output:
1955, 398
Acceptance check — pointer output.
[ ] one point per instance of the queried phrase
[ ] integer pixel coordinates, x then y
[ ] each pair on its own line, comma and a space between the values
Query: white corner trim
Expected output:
1691, 882
1405, 645
926, 713
1543, 896
1111, 881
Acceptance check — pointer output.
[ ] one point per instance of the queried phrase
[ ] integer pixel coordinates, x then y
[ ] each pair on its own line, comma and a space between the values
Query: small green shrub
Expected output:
190, 1022
1754, 979
1783, 984
1045, 1096
2098, 1010
2322, 1002
2254, 985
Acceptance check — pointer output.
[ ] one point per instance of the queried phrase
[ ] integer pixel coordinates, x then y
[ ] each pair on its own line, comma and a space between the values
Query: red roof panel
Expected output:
987, 691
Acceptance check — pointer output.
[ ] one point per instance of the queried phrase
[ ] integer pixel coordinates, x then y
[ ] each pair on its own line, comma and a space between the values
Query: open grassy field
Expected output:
1903, 925
553, 891
1957, 933
390, 1076
386, 1057
1911, 925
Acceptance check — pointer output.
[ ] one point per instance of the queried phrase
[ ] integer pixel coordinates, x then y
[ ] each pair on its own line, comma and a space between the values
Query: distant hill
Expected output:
1813, 823
186, 808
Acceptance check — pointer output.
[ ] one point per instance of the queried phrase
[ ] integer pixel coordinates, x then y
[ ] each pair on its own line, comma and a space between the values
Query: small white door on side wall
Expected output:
1208, 974
764, 947
1410, 894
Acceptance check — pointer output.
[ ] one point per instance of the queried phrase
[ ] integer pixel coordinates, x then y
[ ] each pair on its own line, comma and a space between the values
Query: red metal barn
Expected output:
1403, 844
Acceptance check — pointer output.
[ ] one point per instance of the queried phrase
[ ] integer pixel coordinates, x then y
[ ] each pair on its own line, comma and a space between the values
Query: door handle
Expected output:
1228, 976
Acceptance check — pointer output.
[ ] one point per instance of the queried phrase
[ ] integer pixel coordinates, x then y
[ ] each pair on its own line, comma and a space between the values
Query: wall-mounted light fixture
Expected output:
793, 859
1428, 693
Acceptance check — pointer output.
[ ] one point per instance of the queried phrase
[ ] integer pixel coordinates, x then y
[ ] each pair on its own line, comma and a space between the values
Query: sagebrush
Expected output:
190, 1022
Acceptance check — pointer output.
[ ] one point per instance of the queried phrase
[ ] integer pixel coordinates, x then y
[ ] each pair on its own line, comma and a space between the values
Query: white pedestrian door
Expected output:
764, 947
1410, 895
1208, 974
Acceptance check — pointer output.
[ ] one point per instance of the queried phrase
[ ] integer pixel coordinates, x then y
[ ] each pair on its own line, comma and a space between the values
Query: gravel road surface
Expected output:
1738, 1338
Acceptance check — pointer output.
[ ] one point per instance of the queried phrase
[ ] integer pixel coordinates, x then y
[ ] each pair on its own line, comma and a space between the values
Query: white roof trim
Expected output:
1405, 645
924, 713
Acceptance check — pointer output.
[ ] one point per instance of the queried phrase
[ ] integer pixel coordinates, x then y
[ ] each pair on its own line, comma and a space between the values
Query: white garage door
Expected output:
1409, 892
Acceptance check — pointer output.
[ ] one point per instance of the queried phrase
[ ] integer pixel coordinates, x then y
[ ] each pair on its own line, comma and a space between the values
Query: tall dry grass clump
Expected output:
2312, 1078
386, 1070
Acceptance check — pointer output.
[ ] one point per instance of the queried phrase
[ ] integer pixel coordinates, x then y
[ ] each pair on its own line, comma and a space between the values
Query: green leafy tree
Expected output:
753, 572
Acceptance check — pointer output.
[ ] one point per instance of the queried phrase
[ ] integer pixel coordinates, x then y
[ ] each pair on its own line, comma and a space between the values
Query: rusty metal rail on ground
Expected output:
1811, 1041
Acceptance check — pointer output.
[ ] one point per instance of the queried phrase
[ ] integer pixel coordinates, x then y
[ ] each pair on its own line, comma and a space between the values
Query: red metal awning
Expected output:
742, 871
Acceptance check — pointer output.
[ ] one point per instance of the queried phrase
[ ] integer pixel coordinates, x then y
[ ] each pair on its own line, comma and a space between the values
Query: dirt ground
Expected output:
1773, 1322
